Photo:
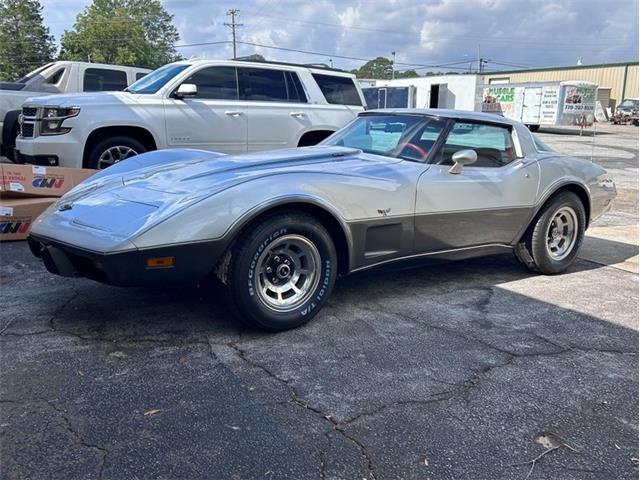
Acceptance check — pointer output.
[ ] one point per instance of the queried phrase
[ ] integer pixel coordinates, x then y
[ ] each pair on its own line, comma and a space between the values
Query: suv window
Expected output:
338, 90
101, 80
140, 75
295, 89
263, 85
217, 83
492, 143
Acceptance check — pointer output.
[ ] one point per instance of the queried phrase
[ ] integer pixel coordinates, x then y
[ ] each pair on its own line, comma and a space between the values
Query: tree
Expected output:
382, 68
123, 32
25, 43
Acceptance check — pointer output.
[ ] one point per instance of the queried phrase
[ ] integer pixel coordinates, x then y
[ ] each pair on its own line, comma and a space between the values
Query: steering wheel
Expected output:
413, 147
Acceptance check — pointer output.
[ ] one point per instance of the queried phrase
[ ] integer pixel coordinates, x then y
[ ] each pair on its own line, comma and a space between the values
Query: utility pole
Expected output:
233, 12
393, 66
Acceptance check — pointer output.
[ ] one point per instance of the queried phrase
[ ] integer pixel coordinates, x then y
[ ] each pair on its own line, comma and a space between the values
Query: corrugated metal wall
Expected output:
604, 75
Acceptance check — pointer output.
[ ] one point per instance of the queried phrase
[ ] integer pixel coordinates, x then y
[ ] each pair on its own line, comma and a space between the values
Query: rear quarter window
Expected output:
103, 80
338, 90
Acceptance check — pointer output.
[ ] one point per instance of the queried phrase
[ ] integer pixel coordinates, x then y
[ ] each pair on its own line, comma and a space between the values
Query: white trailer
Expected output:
534, 104
435, 91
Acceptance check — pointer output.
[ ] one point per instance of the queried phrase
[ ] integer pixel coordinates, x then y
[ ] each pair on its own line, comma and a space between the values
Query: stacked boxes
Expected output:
27, 190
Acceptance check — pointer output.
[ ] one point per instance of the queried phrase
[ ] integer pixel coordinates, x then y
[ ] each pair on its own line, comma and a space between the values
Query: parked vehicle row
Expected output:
277, 228
223, 106
56, 78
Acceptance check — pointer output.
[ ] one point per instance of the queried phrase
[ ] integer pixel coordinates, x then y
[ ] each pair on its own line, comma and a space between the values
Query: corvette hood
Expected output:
199, 173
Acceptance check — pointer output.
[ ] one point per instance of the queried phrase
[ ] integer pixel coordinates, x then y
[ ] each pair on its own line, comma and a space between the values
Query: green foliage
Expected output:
381, 68
123, 32
25, 43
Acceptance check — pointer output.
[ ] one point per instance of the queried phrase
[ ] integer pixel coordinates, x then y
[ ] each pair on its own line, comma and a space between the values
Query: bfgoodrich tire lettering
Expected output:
556, 234
282, 271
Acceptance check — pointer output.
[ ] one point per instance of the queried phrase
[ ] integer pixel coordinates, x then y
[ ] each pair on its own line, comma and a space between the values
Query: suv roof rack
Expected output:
320, 66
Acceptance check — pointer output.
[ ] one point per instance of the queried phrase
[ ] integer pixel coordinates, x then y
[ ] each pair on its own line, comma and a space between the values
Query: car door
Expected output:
277, 107
489, 202
214, 119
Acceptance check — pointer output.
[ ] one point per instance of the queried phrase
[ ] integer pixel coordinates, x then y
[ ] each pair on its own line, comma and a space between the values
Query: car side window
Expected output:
140, 75
338, 90
492, 143
56, 77
295, 89
104, 80
216, 83
263, 85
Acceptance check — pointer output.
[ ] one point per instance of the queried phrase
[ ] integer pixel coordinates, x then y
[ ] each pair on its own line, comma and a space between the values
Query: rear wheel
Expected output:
282, 271
552, 241
112, 150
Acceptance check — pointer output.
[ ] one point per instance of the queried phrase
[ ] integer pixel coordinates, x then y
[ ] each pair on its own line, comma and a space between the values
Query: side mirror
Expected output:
462, 158
186, 90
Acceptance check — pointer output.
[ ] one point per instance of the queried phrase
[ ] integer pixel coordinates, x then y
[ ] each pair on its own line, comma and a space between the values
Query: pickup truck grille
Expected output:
29, 111
26, 130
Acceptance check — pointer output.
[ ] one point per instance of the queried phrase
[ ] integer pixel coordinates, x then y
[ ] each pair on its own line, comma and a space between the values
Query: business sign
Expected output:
498, 99
549, 107
579, 99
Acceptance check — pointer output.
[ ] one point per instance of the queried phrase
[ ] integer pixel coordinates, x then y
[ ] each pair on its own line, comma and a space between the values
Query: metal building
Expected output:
616, 81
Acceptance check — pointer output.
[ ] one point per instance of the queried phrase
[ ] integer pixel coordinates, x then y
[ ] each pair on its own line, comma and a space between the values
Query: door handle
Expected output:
233, 113
296, 114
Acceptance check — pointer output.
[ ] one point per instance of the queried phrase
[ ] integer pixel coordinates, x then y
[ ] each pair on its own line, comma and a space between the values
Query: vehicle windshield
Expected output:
33, 73
628, 103
409, 137
155, 80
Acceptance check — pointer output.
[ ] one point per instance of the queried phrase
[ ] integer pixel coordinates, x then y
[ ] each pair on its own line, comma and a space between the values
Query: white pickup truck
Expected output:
55, 78
221, 105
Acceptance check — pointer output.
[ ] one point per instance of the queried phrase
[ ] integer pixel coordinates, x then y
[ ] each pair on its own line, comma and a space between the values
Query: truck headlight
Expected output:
52, 118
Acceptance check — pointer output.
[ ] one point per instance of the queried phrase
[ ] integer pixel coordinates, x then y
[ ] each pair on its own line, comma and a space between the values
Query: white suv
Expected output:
54, 78
224, 106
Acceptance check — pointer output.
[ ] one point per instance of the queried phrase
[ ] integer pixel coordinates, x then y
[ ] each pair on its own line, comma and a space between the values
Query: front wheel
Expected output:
555, 235
282, 271
112, 150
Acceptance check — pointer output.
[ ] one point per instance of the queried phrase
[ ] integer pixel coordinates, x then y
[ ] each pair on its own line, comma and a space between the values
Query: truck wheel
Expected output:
112, 150
555, 235
534, 128
282, 271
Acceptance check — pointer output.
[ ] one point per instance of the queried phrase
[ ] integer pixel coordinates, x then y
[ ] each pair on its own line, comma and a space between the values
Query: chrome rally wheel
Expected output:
282, 270
287, 273
562, 233
552, 240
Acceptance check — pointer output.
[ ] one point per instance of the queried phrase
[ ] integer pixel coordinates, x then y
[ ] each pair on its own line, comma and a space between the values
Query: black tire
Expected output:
92, 160
534, 128
535, 251
257, 251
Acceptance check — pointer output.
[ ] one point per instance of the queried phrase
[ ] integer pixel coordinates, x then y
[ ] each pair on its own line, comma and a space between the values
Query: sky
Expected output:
425, 34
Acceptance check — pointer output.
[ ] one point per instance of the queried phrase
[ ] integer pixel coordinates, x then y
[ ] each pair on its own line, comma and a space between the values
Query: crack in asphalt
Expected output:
68, 426
325, 417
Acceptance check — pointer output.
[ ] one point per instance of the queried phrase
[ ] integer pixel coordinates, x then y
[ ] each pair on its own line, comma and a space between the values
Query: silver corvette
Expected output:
278, 227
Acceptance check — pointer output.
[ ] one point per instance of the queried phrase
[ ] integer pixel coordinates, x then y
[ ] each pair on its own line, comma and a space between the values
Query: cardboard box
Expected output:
17, 215
37, 181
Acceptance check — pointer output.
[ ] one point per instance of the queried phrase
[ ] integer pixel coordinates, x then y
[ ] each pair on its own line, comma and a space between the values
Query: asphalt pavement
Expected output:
470, 370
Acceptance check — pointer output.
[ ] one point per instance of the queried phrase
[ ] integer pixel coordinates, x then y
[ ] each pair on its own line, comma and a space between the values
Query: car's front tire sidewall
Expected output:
244, 269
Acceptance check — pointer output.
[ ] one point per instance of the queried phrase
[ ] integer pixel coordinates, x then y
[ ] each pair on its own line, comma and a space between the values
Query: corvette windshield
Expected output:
154, 81
409, 137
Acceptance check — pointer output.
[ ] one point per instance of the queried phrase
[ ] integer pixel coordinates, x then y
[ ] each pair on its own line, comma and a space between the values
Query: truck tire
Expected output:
112, 150
282, 271
534, 128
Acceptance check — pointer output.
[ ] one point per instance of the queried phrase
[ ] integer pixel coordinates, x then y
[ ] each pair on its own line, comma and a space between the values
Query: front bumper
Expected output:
66, 150
193, 262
